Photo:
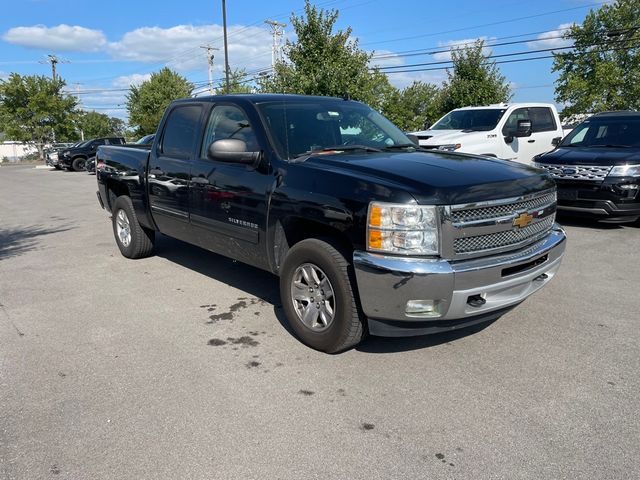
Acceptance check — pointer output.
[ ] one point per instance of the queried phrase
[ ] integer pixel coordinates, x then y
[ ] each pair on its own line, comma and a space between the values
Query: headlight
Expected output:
65, 153
625, 171
450, 148
406, 229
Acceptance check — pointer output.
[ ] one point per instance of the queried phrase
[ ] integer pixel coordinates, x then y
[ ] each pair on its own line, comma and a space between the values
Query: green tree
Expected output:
412, 106
34, 109
321, 62
602, 71
472, 80
146, 103
238, 82
94, 124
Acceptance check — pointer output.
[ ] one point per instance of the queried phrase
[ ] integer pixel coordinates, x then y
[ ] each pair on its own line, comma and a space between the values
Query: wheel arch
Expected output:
292, 230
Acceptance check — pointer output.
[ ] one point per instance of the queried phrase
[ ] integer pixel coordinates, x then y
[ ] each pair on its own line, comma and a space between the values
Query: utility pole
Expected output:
54, 60
226, 51
77, 84
210, 57
277, 30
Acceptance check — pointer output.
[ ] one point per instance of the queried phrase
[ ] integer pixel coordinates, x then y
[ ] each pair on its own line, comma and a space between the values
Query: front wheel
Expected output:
133, 240
316, 287
78, 164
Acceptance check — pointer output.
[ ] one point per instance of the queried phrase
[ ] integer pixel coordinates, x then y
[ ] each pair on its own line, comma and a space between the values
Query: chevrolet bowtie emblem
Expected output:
522, 220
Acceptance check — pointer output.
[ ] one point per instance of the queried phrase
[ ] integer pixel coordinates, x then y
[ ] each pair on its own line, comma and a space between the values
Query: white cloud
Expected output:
249, 47
552, 39
63, 38
457, 44
127, 81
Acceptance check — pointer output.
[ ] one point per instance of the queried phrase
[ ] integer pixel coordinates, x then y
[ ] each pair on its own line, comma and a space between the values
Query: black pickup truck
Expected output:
367, 232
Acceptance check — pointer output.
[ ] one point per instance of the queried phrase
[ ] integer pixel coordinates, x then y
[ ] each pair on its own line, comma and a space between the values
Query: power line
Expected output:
512, 54
500, 22
518, 60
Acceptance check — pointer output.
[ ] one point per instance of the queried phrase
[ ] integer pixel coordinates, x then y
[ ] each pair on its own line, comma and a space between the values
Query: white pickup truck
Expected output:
512, 131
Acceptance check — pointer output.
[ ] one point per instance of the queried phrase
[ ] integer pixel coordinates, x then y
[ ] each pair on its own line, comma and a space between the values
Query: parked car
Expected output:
51, 153
597, 168
75, 158
367, 232
90, 165
146, 140
515, 131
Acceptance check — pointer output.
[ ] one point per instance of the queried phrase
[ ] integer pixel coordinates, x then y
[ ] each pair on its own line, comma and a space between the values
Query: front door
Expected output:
169, 167
543, 131
228, 201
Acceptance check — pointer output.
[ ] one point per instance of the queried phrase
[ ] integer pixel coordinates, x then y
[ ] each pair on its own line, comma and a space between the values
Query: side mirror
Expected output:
232, 150
556, 141
523, 129
413, 138
427, 125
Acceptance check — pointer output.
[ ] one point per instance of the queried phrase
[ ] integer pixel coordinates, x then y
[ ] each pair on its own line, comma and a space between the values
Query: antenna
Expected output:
277, 30
54, 60
210, 57
78, 85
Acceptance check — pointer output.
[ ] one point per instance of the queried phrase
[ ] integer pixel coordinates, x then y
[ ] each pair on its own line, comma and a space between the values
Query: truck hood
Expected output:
590, 156
438, 177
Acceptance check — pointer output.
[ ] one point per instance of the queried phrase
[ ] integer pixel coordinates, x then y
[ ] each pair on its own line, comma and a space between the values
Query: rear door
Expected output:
169, 168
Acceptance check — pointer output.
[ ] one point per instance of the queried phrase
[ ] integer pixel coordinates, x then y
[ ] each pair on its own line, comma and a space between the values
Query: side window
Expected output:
180, 131
228, 121
512, 122
541, 119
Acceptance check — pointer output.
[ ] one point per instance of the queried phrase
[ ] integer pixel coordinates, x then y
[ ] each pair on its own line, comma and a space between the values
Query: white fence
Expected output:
15, 151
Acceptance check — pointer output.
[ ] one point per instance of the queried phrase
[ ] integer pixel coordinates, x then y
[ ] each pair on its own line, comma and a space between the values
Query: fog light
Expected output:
423, 308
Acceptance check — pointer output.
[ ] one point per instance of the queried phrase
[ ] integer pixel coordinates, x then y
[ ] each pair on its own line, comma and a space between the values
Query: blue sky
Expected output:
110, 45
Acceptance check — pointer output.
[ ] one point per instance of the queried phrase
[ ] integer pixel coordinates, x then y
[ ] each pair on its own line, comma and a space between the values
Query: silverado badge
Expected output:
522, 220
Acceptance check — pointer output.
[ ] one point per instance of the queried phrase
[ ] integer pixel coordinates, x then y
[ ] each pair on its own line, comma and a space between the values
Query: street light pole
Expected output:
226, 51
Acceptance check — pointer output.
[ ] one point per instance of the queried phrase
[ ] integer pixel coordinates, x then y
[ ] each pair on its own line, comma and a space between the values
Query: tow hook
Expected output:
476, 301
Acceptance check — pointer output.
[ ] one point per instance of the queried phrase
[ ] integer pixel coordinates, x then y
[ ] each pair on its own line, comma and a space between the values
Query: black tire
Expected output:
347, 326
92, 170
78, 164
140, 240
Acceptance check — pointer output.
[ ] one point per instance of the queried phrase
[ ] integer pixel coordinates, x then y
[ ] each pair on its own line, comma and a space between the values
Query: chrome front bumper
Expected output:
387, 283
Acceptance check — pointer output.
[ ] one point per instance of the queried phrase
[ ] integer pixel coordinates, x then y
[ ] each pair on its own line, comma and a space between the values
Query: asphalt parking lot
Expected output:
181, 366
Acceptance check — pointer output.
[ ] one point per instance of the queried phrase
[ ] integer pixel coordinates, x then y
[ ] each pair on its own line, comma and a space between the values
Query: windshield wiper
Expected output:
338, 148
609, 145
345, 148
402, 146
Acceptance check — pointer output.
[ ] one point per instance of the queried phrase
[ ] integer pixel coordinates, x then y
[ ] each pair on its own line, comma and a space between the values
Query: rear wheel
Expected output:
134, 241
78, 164
316, 287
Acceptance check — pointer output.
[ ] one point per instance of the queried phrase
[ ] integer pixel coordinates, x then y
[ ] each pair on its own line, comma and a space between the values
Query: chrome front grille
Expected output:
477, 229
576, 172
496, 211
502, 239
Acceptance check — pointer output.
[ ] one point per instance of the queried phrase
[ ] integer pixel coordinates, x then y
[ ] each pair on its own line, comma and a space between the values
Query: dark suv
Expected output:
597, 168
75, 158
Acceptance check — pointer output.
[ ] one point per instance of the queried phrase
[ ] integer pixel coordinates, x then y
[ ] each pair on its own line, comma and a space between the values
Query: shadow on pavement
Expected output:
18, 241
265, 286
255, 282
405, 344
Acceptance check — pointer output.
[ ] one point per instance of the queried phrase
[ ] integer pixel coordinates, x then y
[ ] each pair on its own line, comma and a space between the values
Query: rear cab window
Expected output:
181, 131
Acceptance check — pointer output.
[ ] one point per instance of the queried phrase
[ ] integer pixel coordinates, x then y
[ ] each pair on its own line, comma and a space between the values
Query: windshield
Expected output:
146, 140
605, 132
299, 127
473, 120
